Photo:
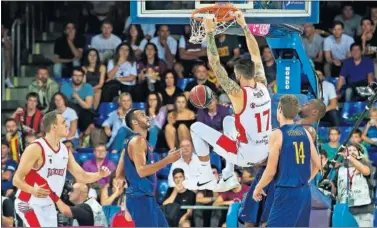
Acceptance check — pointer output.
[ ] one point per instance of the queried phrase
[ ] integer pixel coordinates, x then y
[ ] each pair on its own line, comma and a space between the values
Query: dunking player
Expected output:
254, 212
294, 160
245, 138
41, 174
137, 166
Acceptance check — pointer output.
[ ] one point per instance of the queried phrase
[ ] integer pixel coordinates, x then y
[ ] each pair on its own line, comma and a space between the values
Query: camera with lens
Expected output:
62, 220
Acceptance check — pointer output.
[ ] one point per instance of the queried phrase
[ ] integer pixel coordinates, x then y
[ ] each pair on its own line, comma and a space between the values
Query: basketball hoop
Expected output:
224, 15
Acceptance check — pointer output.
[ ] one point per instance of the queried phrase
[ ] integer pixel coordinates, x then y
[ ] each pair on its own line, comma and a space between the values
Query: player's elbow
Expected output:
141, 173
67, 212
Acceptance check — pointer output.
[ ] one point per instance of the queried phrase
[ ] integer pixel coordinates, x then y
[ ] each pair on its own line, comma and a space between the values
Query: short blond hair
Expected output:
289, 106
49, 119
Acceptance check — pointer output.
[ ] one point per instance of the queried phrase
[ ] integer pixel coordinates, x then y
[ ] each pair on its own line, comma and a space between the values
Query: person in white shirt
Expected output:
189, 162
330, 100
106, 42
166, 45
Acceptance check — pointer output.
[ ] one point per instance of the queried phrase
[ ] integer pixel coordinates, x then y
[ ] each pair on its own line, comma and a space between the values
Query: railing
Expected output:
202, 207
16, 48
3, 76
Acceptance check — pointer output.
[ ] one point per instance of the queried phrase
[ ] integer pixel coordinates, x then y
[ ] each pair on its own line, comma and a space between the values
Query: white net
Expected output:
198, 33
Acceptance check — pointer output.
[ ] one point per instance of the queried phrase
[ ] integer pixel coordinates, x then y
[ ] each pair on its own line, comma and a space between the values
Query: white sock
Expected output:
228, 171
206, 171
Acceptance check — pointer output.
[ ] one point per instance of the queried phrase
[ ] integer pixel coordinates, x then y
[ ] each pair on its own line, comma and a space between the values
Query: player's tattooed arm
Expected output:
229, 86
252, 46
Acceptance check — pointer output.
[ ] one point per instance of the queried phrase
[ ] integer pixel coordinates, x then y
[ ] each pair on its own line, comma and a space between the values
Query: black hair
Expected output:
366, 19
131, 55
42, 67
52, 105
5, 143
144, 58
324, 153
358, 131
107, 22
215, 167
129, 117
335, 23
79, 69
159, 103
175, 76
245, 67
10, 120
178, 170
32, 94
355, 45
140, 34
345, 4
86, 61
334, 129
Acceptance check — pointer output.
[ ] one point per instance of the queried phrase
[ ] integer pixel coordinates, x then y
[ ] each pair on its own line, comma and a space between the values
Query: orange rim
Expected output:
219, 10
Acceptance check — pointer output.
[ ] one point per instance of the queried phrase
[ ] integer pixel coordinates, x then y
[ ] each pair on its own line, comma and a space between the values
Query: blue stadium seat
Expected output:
139, 105
323, 133
61, 81
332, 80
375, 218
275, 101
373, 159
162, 188
182, 82
88, 40
83, 157
342, 217
114, 157
105, 108
85, 150
164, 172
110, 211
216, 160
351, 111
232, 215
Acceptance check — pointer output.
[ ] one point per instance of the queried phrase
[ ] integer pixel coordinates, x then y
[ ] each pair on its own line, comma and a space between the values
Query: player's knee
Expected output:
195, 127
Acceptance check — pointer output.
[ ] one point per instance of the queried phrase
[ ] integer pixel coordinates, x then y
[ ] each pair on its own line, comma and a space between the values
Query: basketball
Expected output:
201, 96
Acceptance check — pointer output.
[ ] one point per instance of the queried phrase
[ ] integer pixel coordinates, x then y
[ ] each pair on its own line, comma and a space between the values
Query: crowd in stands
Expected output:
94, 83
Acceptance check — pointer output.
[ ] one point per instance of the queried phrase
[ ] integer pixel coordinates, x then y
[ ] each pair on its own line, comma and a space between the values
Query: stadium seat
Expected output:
216, 160
323, 133
114, 157
164, 172
85, 150
88, 40
375, 218
110, 211
162, 188
275, 101
105, 108
139, 105
182, 82
373, 159
342, 217
332, 80
232, 215
351, 111
60, 81
83, 157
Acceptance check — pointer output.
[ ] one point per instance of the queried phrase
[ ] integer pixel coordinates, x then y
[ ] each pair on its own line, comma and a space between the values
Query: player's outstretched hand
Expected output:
240, 18
104, 172
258, 194
173, 155
40, 191
209, 23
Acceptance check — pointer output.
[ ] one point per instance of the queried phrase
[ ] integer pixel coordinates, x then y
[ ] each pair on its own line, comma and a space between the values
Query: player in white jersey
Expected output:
245, 138
41, 174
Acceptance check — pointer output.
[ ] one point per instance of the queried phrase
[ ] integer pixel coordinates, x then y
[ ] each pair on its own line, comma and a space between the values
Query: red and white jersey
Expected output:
253, 123
52, 172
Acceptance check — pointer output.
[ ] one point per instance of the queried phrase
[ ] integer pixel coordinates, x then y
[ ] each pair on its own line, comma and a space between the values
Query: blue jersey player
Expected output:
139, 169
293, 160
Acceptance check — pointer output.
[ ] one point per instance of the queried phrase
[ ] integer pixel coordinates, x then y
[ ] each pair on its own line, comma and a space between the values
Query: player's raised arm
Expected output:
138, 147
85, 177
229, 86
252, 46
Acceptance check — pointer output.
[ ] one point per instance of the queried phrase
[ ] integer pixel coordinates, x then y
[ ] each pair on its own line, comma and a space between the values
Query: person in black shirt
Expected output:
368, 38
68, 51
170, 90
201, 76
179, 196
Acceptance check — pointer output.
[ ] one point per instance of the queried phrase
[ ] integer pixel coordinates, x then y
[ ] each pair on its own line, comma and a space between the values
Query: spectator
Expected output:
100, 160
106, 42
29, 139
181, 196
113, 192
313, 45
29, 118
337, 49
68, 51
370, 131
330, 100
6, 43
166, 45
228, 48
368, 38
157, 114
189, 162
356, 71
95, 74
214, 115
80, 95
179, 122
60, 102
333, 145
205, 197
360, 199
45, 87
7, 212
134, 36
247, 176
178, 69
227, 199
148, 29
201, 76
170, 91
116, 119
269, 68
8, 167
150, 68
373, 16
350, 20
14, 139
356, 138
190, 53
122, 69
